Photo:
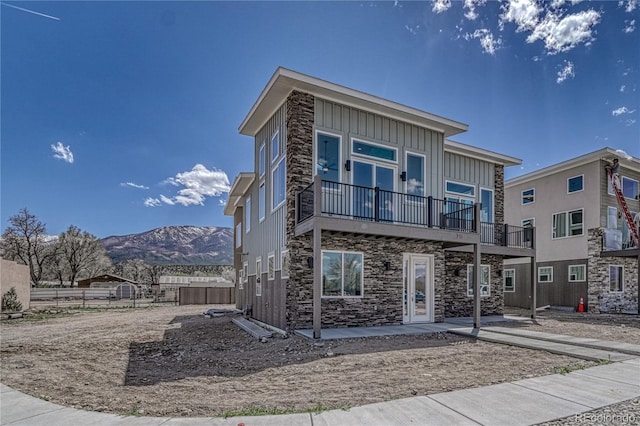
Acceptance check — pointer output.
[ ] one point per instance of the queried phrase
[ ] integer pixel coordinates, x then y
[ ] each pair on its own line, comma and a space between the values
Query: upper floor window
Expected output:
616, 282
261, 202
575, 184
509, 280
528, 196
612, 217
577, 273
545, 274
239, 235
247, 214
371, 150
271, 266
278, 187
485, 281
528, 225
342, 274
486, 210
275, 147
630, 188
568, 224
415, 174
261, 160
285, 264
461, 188
328, 157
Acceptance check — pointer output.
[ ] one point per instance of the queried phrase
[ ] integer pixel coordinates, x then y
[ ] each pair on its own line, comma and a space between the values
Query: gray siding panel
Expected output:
471, 170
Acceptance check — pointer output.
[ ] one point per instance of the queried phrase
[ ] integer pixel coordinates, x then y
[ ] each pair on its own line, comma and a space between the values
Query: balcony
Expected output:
404, 215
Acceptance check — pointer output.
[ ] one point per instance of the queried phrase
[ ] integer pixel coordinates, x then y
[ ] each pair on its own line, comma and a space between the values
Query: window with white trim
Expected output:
261, 160
568, 224
528, 225
342, 274
577, 273
545, 274
285, 264
328, 162
460, 189
415, 183
612, 217
528, 196
630, 188
509, 277
575, 184
271, 265
486, 210
258, 270
247, 214
278, 186
275, 146
374, 150
239, 235
616, 275
485, 280
261, 202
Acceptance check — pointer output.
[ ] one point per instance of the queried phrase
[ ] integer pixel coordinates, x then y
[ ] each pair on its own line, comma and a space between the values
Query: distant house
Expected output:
584, 245
104, 281
360, 211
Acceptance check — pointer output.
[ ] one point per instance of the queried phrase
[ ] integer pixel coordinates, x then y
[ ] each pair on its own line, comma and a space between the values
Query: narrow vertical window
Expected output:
486, 211
612, 217
247, 213
616, 273
261, 161
509, 280
261, 202
279, 184
275, 147
415, 174
272, 266
284, 264
327, 163
239, 235
485, 280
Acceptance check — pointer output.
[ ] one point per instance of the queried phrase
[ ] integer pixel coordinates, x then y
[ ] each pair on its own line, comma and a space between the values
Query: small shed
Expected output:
126, 291
86, 283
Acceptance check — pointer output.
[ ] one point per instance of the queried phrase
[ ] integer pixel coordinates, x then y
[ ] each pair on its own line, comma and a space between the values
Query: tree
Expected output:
78, 252
10, 302
153, 273
25, 241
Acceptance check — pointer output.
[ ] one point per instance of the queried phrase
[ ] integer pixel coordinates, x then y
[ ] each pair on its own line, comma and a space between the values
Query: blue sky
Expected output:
119, 117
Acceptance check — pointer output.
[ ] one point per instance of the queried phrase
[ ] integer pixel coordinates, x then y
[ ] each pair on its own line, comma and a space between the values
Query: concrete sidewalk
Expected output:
526, 402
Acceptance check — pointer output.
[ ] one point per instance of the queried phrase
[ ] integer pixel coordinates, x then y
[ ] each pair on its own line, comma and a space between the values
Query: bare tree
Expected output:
79, 251
25, 241
153, 273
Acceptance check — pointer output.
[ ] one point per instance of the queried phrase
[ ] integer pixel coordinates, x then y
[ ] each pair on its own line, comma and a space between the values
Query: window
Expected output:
342, 274
279, 185
415, 174
261, 160
575, 184
258, 270
461, 188
616, 273
261, 202
568, 224
577, 273
275, 147
371, 150
545, 274
239, 235
485, 281
486, 211
528, 196
271, 263
509, 277
612, 217
328, 157
247, 214
630, 188
285, 264
243, 275
528, 225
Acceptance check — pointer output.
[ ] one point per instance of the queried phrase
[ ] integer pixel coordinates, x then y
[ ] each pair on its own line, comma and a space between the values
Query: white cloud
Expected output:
622, 88
62, 152
134, 185
629, 122
412, 30
561, 34
566, 72
630, 5
630, 26
524, 13
622, 110
197, 184
152, 202
471, 5
440, 6
487, 41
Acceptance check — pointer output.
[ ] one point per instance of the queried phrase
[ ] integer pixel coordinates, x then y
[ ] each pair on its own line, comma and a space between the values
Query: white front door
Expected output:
418, 288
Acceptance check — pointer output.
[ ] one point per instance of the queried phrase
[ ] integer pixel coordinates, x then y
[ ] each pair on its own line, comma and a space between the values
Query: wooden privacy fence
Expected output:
207, 295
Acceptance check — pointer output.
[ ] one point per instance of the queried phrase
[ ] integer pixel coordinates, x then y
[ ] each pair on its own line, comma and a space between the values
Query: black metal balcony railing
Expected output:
377, 205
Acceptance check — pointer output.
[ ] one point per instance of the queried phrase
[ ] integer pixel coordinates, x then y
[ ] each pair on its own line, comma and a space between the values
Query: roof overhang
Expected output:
479, 153
284, 81
241, 184
607, 153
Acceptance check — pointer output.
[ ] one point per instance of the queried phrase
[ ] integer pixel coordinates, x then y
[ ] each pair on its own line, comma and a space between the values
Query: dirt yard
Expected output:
172, 361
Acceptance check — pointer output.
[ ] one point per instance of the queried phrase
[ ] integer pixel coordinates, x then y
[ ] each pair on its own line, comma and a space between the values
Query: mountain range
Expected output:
174, 245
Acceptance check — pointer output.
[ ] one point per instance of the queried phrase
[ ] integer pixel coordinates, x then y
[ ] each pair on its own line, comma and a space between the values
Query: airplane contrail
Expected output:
30, 11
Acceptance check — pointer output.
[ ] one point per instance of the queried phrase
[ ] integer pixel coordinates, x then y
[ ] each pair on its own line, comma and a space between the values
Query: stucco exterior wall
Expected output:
15, 275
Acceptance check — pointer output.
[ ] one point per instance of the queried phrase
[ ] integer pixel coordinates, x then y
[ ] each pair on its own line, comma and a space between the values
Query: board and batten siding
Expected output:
268, 236
469, 170
351, 123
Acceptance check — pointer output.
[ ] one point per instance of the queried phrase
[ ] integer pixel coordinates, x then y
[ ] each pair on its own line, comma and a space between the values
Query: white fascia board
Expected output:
480, 153
241, 184
602, 154
284, 81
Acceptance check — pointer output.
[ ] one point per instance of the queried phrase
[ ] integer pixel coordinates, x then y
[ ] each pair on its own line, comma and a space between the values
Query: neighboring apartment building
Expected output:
360, 212
584, 245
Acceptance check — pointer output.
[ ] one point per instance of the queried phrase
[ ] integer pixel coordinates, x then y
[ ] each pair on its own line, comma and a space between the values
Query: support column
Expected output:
534, 286
317, 259
477, 272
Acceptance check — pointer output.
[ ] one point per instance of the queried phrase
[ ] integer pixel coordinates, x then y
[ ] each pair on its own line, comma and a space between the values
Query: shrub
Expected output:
10, 302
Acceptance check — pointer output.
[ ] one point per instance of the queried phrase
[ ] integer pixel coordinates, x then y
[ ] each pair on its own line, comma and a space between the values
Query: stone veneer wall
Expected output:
456, 301
601, 299
498, 195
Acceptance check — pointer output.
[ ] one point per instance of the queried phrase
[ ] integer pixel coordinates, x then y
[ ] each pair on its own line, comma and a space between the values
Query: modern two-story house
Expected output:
585, 247
360, 211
